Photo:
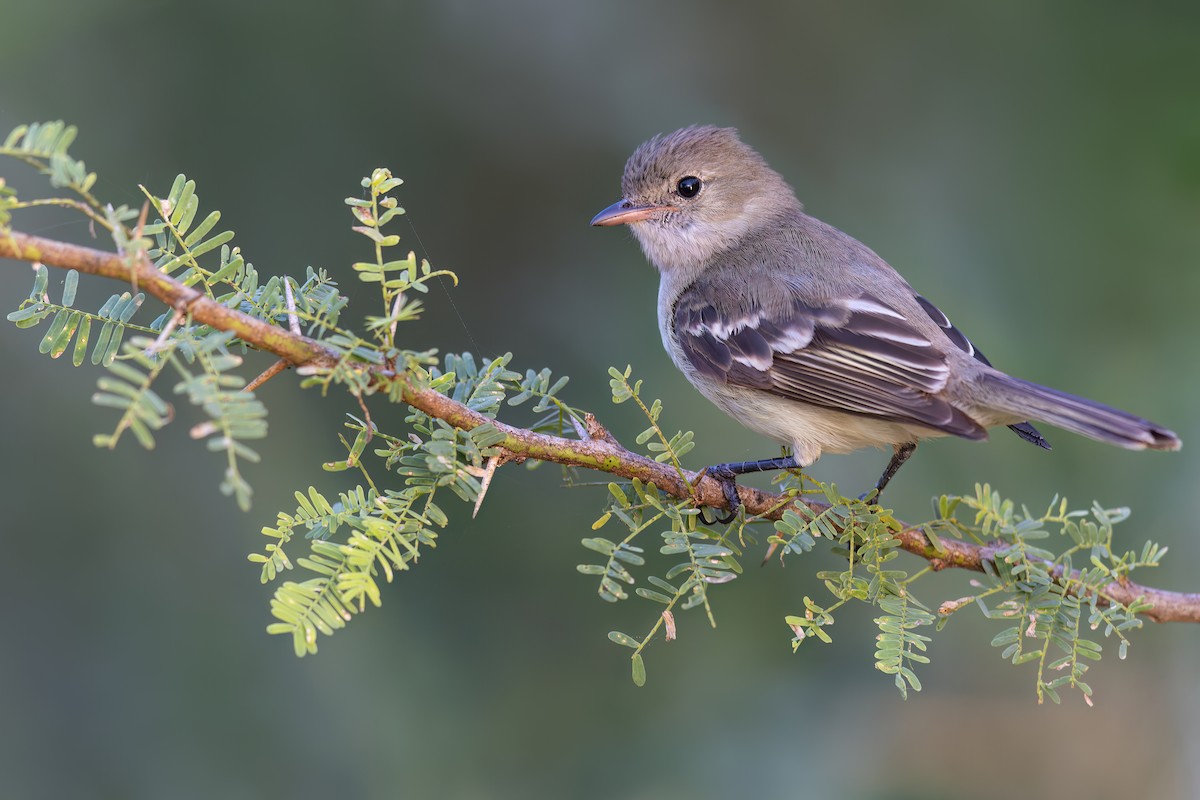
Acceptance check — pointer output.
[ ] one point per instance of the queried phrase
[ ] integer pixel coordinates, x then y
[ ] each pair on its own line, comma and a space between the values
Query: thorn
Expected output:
202, 430
597, 431
486, 481
366, 417
167, 330
270, 372
293, 320
137, 235
669, 622
395, 315
950, 606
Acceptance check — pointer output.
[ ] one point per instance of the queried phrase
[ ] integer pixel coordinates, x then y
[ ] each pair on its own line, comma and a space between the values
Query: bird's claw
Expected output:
728, 480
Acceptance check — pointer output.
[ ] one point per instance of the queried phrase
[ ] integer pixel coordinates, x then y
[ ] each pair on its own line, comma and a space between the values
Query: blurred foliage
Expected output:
387, 528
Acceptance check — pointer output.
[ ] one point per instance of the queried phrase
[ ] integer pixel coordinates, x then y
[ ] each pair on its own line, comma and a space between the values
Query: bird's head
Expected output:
690, 195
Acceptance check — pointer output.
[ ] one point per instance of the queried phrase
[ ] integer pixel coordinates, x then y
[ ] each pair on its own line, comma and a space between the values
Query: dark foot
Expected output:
901, 454
726, 475
728, 480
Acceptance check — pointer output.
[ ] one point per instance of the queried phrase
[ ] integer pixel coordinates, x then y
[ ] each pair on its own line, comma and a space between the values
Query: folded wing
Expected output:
855, 355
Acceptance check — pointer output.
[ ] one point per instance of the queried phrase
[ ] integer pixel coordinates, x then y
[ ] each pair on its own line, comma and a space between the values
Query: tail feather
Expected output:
1077, 414
1030, 434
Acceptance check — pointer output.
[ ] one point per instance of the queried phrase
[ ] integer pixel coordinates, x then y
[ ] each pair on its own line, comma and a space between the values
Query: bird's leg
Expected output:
901, 454
726, 475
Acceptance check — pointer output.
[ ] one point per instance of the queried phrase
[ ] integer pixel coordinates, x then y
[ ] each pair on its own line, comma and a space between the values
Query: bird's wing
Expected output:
1023, 429
856, 355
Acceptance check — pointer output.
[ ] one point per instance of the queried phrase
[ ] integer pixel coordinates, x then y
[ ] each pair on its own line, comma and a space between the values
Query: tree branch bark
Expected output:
599, 451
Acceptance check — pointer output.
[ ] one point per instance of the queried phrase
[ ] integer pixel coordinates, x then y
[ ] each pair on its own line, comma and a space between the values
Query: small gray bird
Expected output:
801, 333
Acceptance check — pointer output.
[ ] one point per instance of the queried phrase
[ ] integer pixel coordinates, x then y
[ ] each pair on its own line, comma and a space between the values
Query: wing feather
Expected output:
1023, 429
856, 355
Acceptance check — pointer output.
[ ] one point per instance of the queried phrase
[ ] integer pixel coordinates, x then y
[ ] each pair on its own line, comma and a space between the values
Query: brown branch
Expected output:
600, 451
268, 373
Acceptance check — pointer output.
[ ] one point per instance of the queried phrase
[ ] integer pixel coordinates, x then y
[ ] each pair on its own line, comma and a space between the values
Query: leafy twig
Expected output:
599, 454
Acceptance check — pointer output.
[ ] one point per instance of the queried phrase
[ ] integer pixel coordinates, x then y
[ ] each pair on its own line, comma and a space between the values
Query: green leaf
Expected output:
63, 340
623, 639
599, 544
70, 284
639, 670
81, 341
33, 312
650, 594
56, 329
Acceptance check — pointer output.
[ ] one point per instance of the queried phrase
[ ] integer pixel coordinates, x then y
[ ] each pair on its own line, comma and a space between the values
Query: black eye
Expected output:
688, 187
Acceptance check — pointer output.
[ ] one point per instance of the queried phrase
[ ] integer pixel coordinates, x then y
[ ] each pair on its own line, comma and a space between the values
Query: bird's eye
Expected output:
688, 187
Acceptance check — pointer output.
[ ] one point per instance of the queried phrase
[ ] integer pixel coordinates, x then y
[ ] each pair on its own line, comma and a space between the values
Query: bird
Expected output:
803, 334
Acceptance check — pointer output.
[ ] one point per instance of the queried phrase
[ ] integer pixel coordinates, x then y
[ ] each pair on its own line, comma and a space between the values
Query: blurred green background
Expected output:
1033, 169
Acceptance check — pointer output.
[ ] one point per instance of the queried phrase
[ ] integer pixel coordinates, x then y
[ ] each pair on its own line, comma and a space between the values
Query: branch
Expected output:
599, 451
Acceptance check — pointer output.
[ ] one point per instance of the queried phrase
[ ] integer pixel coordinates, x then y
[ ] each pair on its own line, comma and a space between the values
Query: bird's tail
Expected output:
1077, 414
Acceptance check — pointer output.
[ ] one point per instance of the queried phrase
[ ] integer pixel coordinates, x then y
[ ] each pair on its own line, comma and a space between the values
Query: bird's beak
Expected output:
623, 212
